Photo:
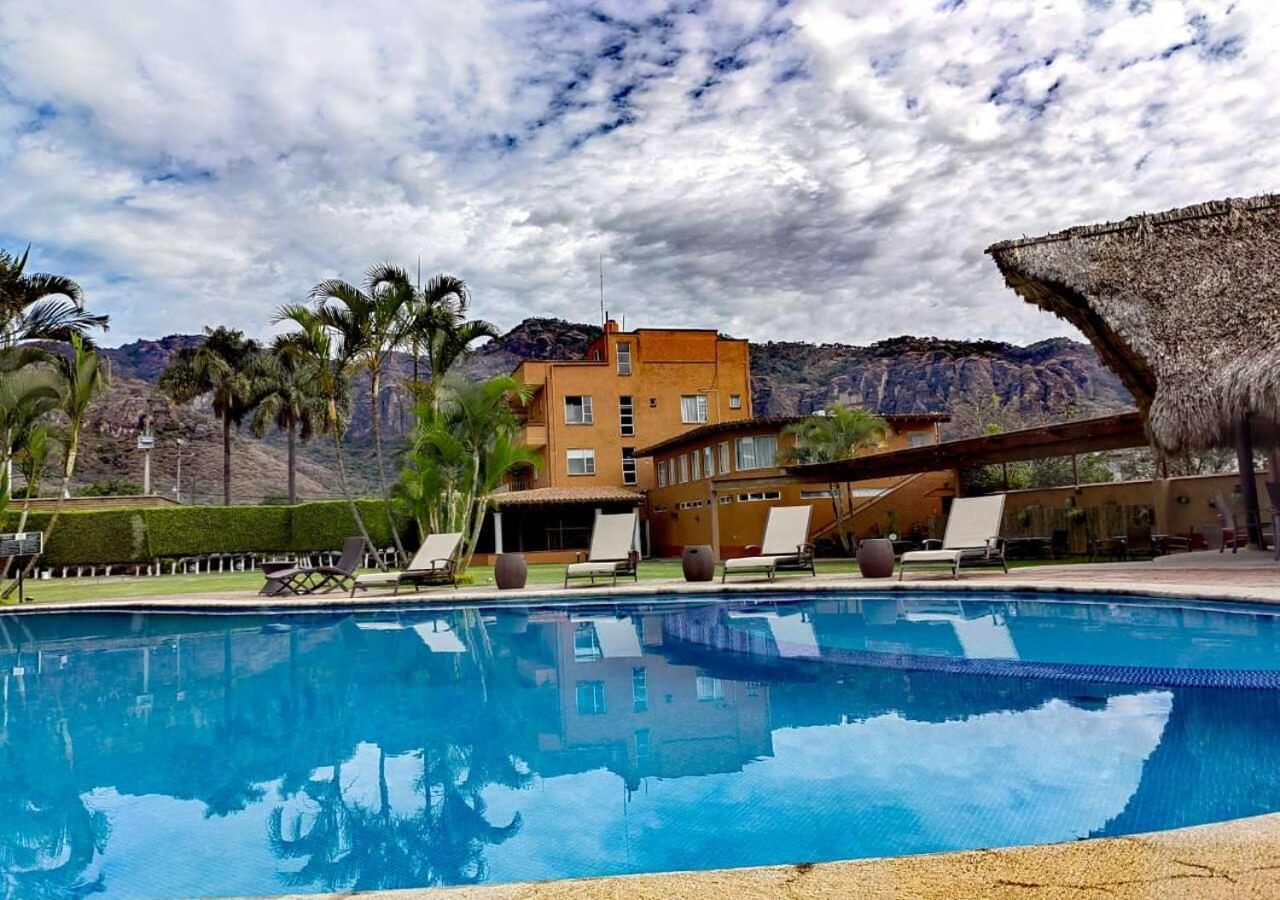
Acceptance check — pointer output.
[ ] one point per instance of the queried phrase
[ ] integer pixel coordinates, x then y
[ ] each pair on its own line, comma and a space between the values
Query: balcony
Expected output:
534, 434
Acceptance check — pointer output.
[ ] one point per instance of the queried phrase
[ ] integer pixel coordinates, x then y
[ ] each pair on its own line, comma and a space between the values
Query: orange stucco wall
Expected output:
665, 365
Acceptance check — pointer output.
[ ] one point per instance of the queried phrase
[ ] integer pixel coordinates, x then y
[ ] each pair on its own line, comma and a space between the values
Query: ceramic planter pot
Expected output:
510, 571
698, 563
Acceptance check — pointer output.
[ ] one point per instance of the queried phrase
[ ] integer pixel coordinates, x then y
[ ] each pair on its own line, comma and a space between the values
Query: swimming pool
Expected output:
187, 754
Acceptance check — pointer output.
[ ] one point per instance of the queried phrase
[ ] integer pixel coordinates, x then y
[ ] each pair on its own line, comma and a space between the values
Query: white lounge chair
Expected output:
785, 545
435, 563
612, 550
972, 537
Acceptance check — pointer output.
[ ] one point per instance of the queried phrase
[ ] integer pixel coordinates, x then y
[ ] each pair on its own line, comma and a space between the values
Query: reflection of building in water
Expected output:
624, 706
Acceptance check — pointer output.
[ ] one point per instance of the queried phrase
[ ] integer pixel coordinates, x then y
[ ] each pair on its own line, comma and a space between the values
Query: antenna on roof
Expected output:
602, 313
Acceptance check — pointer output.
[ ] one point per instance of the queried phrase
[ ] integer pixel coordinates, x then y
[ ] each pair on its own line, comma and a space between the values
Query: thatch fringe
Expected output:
1183, 304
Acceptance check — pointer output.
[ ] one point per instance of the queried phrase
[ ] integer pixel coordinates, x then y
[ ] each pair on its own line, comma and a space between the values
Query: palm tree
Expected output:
377, 312
286, 394
838, 433
460, 454
438, 325
325, 349
84, 380
220, 367
39, 306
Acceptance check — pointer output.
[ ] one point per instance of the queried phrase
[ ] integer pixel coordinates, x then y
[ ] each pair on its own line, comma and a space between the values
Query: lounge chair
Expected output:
316, 579
612, 550
972, 537
435, 563
785, 546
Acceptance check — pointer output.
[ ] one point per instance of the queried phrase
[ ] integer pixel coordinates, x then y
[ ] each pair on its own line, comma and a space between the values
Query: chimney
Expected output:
610, 326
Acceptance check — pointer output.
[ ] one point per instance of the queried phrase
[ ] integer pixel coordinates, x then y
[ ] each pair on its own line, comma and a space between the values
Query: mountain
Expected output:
979, 381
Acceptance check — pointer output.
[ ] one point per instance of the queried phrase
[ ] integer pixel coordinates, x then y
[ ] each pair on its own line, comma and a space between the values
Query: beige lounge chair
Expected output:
785, 545
612, 550
972, 537
435, 563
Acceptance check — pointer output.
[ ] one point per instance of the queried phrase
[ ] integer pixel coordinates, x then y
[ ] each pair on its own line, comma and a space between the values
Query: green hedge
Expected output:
99, 537
193, 530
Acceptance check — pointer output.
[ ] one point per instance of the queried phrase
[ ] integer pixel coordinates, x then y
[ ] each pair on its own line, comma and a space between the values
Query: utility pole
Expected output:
146, 443
177, 486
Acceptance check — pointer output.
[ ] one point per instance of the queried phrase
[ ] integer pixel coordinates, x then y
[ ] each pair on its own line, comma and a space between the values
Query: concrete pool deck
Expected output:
1248, 577
1208, 862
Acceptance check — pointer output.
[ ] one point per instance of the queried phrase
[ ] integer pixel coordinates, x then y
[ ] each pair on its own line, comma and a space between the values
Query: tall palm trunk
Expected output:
351, 502
293, 462
375, 412
842, 525
226, 459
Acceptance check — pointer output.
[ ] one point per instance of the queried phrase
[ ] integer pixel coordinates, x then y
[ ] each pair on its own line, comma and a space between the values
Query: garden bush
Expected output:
194, 530
107, 536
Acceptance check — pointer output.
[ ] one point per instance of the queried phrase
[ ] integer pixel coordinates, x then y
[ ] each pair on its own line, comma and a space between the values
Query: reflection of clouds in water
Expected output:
883, 785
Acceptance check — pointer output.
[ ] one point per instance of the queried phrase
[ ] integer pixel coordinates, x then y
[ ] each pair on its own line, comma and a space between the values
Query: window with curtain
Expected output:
693, 409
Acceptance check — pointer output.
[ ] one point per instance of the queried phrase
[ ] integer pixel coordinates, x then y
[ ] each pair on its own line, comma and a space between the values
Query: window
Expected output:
684, 468
724, 458
816, 495
639, 689
735, 401
709, 688
693, 408
628, 465
586, 645
577, 411
757, 452
626, 417
708, 462
695, 464
590, 696
582, 462
642, 745
624, 358
727, 498
662, 473
756, 496
919, 439
653, 402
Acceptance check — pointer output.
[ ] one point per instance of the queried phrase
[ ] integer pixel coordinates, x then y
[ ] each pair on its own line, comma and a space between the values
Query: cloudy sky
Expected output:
810, 169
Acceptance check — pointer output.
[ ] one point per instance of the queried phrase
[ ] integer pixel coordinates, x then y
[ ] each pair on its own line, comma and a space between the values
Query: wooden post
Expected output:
1248, 482
1004, 467
1075, 471
714, 514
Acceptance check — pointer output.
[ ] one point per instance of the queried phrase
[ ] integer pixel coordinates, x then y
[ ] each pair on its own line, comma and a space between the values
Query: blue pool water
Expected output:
178, 755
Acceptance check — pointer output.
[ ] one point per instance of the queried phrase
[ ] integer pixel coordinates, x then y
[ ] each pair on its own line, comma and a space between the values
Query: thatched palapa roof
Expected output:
1184, 305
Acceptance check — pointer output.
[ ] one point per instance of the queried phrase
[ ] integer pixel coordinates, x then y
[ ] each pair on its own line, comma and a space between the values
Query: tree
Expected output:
285, 386
839, 433
220, 367
460, 453
39, 306
375, 316
325, 349
438, 325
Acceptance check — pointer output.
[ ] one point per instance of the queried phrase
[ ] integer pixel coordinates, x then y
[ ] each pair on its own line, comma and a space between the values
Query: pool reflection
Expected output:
413, 748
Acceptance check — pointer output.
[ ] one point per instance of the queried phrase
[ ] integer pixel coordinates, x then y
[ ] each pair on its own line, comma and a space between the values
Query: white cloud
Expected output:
820, 169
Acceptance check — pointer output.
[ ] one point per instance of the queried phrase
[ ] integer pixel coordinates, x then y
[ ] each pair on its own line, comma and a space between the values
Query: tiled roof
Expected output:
560, 496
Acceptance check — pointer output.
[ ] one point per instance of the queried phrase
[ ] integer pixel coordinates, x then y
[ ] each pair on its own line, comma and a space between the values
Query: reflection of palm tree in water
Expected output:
348, 845
49, 837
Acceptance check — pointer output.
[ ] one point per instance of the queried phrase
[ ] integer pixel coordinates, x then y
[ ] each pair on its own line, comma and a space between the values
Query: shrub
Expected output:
107, 536
324, 525
193, 530
93, 537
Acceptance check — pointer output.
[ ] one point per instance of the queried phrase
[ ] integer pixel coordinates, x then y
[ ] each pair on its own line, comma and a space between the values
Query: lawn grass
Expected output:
117, 587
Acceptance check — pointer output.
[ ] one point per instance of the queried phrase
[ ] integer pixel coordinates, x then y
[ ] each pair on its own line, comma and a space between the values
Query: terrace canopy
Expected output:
1185, 306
